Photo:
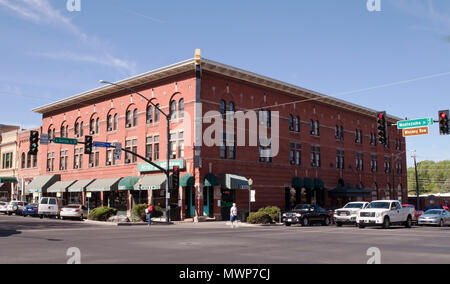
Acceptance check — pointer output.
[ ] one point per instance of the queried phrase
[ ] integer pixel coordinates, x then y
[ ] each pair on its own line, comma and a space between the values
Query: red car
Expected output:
416, 213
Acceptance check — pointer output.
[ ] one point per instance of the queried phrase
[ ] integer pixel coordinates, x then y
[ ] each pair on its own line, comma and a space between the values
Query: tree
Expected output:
433, 177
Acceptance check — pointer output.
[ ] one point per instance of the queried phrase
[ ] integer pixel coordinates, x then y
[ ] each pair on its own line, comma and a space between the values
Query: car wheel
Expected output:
386, 223
81, 218
24, 215
41, 216
287, 224
408, 223
326, 222
305, 222
441, 223
339, 224
361, 226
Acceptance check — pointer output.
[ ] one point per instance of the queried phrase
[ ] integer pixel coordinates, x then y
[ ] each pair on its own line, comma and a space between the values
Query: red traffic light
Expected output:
380, 116
176, 168
443, 115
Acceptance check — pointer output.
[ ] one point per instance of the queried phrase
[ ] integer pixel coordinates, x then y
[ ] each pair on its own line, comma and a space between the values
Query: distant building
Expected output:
8, 162
28, 168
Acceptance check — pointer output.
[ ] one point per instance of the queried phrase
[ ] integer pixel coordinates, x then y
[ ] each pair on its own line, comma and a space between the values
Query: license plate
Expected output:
30, 209
289, 220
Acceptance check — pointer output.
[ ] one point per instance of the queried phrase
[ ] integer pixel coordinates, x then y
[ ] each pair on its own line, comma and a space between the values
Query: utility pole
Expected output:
417, 182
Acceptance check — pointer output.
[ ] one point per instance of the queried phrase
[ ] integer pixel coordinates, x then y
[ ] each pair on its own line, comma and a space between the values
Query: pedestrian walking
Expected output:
233, 214
149, 211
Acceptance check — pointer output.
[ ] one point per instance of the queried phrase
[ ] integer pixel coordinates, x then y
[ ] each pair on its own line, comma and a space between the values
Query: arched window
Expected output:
223, 108
81, 129
297, 124
109, 123
76, 129
311, 127
63, 130
51, 132
149, 117
231, 110
29, 161
116, 121
157, 113
22, 162
135, 117
173, 110
92, 126
268, 118
128, 119
181, 108
291, 122
97, 126
317, 128
67, 130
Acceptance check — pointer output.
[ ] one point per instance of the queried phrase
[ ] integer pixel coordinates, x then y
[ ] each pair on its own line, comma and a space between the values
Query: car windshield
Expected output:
14, 203
379, 205
302, 207
354, 205
433, 212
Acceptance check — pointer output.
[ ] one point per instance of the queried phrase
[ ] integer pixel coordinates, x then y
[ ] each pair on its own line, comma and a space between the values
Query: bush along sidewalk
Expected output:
266, 215
139, 212
102, 213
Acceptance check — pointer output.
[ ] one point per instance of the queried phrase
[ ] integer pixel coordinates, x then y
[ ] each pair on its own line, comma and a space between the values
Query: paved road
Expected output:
29, 240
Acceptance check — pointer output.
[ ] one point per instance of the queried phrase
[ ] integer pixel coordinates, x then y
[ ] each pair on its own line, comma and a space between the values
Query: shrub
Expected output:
273, 211
139, 211
264, 215
102, 213
157, 212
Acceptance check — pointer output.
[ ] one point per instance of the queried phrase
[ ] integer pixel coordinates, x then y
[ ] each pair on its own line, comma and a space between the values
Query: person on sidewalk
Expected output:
233, 215
149, 212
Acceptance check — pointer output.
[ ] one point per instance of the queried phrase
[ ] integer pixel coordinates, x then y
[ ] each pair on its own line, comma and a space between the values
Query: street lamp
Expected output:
167, 116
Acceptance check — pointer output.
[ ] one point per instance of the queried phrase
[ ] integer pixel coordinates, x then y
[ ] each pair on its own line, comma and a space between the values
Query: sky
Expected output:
396, 59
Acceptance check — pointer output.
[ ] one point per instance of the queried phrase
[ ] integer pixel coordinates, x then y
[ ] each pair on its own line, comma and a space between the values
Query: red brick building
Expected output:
328, 147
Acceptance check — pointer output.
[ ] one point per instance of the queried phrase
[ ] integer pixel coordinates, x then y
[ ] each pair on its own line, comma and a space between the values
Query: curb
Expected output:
126, 224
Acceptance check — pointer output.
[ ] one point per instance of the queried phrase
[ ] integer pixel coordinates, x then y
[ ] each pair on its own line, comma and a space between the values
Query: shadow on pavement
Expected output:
8, 233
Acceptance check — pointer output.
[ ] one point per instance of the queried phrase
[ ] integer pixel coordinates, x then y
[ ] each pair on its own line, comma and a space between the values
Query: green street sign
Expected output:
69, 141
415, 123
145, 167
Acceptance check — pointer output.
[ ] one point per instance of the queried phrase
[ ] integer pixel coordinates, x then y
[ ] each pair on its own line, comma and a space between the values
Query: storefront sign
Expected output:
88, 194
58, 194
146, 167
253, 196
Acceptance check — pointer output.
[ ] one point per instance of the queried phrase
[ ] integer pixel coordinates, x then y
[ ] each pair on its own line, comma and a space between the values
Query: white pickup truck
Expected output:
385, 213
349, 213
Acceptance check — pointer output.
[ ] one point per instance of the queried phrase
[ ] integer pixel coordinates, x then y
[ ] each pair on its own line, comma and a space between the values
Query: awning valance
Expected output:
308, 183
41, 183
151, 182
60, 186
107, 184
8, 179
230, 181
211, 180
349, 192
187, 180
80, 185
297, 183
128, 183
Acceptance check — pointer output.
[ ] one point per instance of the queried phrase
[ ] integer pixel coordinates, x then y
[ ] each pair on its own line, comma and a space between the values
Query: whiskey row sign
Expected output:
415, 127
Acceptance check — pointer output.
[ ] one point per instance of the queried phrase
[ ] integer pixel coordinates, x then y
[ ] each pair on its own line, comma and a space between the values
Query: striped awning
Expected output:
151, 182
107, 184
60, 186
80, 185
187, 180
8, 179
41, 183
128, 183
231, 181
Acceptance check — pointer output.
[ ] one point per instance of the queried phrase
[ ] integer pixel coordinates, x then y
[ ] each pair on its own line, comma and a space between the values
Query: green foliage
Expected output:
433, 177
157, 212
139, 211
102, 213
264, 215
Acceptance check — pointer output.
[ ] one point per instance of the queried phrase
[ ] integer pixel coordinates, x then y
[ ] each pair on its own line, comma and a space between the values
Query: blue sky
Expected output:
395, 60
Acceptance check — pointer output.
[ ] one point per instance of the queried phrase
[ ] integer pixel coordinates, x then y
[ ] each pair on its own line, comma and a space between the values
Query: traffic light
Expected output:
88, 145
34, 142
382, 127
444, 127
176, 177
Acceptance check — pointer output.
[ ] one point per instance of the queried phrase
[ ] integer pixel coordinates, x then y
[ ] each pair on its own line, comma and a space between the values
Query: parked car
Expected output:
348, 214
4, 207
438, 217
49, 207
30, 210
306, 215
417, 213
385, 213
73, 211
15, 207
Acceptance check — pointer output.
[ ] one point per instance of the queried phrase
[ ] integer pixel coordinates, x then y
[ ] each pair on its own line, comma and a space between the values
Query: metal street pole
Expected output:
417, 183
167, 116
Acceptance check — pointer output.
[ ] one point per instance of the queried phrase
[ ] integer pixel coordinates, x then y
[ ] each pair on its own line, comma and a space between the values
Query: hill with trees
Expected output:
434, 177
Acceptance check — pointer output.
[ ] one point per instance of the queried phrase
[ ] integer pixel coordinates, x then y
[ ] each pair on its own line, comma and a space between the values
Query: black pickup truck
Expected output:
306, 215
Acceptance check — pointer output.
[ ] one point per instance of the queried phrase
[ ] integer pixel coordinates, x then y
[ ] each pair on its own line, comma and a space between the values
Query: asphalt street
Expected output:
31, 240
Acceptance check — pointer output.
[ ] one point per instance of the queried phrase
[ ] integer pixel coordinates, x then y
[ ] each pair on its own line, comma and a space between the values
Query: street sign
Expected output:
69, 141
102, 144
415, 123
415, 131
44, 140
118, 150
253, 196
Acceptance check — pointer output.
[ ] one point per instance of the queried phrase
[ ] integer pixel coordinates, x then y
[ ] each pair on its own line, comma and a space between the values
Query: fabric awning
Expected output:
60, 186
187, 180
80, 185
308, 183
8, 179
128, 183
106, 184
349, 192
211, 180
151, 182
41, 183
297, 183
318, 183
230, 181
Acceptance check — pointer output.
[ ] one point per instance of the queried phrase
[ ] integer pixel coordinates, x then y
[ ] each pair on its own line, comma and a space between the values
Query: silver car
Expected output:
73, 211
4, 207
436, 217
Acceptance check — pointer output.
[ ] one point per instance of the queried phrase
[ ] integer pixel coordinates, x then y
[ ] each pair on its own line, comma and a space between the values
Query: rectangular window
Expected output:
315, 157
340, 161
173, 145
50, 162
149, 148
223, 147
156, 147
298, 154
128, 145
134, 149
181, 145
78, 158
292, 154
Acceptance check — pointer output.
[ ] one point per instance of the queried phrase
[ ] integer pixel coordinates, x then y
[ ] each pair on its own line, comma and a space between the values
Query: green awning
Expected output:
230, 181
107, 184
349, 192
308, 183
41, 183
151, 182
297, 183
128, 183
211, 180
80, 185
187, 180
318, 183
8, 179
60, 186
